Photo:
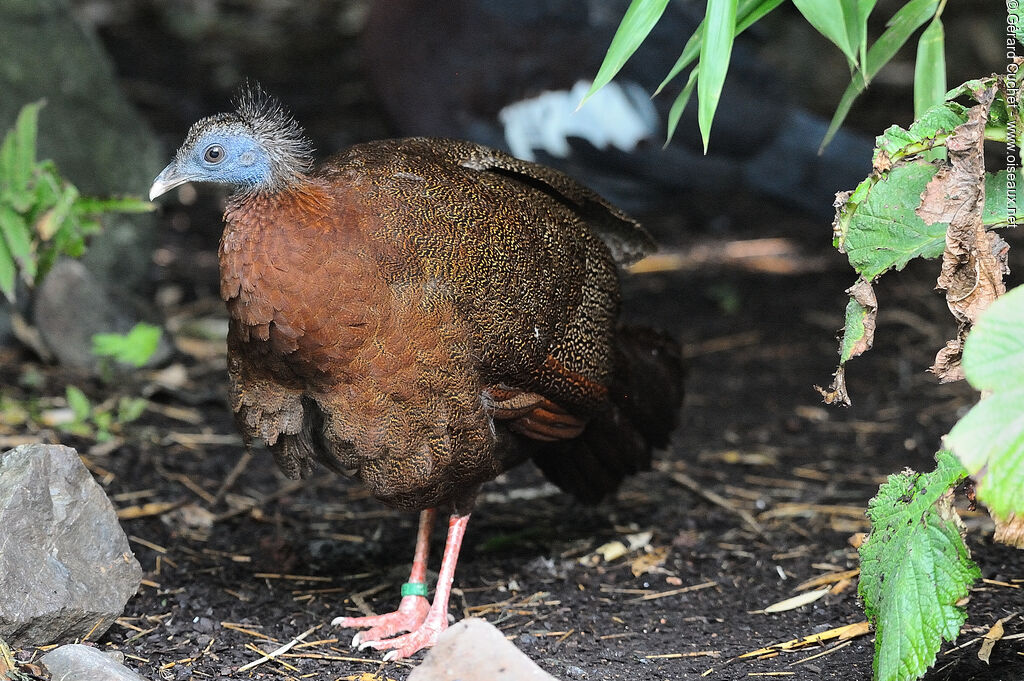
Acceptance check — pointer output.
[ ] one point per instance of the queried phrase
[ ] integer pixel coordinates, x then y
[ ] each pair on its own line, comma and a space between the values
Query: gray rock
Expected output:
66, 569
75, 662
475, 650
71, 305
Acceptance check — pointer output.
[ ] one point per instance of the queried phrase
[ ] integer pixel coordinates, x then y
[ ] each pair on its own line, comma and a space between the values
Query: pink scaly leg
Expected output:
413, 608
436, 620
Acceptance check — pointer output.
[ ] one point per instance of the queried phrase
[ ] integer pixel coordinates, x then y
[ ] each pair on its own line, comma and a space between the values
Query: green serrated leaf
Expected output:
908, 19
636, 23
882, 231
989, 440
930, 68
134, 347
78, 402
853, 329
715, 53
996, 212
994, 352
929, 130
915, 568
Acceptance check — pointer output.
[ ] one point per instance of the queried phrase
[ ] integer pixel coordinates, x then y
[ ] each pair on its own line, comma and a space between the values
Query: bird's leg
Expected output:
436, 621
413, 608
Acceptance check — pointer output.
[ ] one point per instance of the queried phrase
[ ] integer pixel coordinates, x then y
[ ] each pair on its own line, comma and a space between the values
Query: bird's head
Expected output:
258, 147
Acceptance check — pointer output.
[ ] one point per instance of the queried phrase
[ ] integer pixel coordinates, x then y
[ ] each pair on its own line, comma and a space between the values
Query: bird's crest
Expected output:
290, 149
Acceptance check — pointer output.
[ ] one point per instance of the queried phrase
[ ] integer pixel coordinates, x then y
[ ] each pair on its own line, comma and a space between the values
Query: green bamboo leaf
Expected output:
748, 12
903, 24
715, 52
831, 19
678, 106
636, 23
865, 7
930, 68
856, 30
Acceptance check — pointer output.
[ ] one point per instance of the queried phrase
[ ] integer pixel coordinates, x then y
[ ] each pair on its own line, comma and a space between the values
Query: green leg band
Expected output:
414, 589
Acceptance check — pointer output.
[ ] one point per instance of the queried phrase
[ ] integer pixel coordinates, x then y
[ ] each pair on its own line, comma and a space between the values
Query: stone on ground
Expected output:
66, 570
75, 662
71, 306
475, 650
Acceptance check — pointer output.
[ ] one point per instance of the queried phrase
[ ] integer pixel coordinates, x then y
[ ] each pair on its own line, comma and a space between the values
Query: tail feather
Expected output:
645, 397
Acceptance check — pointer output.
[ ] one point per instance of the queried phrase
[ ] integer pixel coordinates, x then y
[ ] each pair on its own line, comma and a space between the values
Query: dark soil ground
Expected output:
762, 488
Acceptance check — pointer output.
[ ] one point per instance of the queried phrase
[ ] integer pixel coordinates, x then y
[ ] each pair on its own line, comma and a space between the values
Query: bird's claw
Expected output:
409, 617
409, 644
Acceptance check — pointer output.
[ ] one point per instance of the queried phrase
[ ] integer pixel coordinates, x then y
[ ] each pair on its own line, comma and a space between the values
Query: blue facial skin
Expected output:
225, 155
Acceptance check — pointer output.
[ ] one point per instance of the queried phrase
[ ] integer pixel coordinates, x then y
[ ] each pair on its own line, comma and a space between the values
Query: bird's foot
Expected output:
411, 614
407, 645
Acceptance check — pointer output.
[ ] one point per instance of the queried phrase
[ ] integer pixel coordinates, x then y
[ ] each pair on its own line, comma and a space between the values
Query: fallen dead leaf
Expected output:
843, 633
146, 510
647, 562
989, 639
797, 601
827, 578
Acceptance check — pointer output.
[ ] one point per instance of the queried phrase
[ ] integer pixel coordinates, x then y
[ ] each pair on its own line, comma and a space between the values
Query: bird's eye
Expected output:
214, 154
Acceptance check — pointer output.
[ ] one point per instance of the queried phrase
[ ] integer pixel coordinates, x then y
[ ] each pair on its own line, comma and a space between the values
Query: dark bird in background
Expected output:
511, 75
423, 314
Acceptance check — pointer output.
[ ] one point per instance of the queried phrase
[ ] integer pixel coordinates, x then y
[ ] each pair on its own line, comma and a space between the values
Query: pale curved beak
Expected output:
168, 179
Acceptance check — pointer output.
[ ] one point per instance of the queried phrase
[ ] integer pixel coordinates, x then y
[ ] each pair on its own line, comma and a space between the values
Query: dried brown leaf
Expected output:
842, 198
883, 162
797, 601
947, 361
1010, 531
974, 261
648, 562
989, 640
836, 393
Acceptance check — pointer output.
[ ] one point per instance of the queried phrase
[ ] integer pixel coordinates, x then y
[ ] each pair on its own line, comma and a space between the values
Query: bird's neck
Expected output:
283, 257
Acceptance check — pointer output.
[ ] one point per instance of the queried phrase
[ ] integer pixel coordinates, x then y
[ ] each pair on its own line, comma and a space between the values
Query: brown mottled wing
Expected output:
528, 255
624, 237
